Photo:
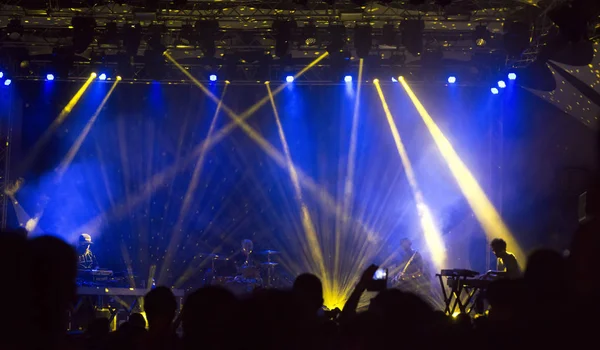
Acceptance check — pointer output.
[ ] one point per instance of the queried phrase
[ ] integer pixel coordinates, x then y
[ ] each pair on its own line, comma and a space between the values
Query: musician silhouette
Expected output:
506, 264
86, 258
412, 272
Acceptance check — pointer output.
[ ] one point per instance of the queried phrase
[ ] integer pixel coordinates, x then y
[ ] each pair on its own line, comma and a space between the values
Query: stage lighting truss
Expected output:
6, 99
330, 70
122, 27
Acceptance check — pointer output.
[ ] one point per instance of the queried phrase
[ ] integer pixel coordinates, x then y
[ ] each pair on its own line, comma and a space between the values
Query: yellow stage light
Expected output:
431, 232
482, 207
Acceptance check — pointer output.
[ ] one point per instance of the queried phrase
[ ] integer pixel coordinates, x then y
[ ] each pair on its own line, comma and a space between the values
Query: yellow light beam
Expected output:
433, 238
349, 183
25, 220
188, 198
64, 165
314, 245
484, 210
325, 199
156, 180
250, 111
350, 168
39, 145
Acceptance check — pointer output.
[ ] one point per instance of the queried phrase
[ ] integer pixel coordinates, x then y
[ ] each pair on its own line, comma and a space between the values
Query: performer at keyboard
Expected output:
507, 266
87, 259
506, 263
412, 275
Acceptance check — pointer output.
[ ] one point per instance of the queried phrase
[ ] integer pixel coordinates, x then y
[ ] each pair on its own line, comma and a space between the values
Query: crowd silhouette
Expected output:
553, 305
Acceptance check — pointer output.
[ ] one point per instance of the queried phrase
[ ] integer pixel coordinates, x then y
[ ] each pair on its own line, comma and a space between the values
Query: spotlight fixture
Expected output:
7, 82
188, 35
83, 33
394, 80
494, 90
102, 76
289, 79
154, 41
501, 84
337, 39
283, 36
1, 75
132, 37
517, 37
362, 40
111, 34
512, 76
412, 36
348, 78
309, 34
389, 37
49, 77
14, 29
481, 35
212, 77
451, 79
571, 17
206, 31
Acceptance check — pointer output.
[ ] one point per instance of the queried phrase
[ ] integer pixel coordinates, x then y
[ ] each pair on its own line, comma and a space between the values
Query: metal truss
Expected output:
246, 26
261, 14
254, 10
258, 73
5, 144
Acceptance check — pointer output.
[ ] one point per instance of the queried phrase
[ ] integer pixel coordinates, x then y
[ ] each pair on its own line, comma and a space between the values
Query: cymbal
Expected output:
268, 252
270, 264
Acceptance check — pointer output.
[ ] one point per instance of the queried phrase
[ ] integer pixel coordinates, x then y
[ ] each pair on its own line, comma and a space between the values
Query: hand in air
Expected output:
367, 275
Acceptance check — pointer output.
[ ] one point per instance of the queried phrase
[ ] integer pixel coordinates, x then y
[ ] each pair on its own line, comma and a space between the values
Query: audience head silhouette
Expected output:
160, 306
309, 290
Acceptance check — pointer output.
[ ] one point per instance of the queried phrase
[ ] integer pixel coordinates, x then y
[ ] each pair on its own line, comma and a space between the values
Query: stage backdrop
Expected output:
132, 182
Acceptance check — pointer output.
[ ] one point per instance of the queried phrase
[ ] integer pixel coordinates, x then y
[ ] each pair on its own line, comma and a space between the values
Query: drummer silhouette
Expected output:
247, 248
248, 270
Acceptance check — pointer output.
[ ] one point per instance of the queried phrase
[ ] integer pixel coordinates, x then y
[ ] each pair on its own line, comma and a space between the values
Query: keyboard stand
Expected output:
456, 294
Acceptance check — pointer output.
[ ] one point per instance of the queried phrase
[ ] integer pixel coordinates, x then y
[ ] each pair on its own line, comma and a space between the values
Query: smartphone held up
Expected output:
379, 281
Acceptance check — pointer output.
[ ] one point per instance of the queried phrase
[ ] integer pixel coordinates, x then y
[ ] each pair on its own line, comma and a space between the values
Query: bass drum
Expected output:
241, 286
249, 272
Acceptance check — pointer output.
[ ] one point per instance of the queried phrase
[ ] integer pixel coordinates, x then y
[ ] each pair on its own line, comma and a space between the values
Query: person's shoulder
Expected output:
510, 256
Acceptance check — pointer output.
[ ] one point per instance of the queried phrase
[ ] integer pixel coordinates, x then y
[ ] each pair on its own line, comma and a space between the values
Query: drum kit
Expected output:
245, 278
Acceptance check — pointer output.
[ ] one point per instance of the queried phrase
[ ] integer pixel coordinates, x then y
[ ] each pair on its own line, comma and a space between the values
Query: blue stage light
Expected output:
451, 79
394, 80
501, 84
102, 76
1, 75
49, 77
495, 91
289, 78
212, 77
512, 76
348, 78
7, 82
